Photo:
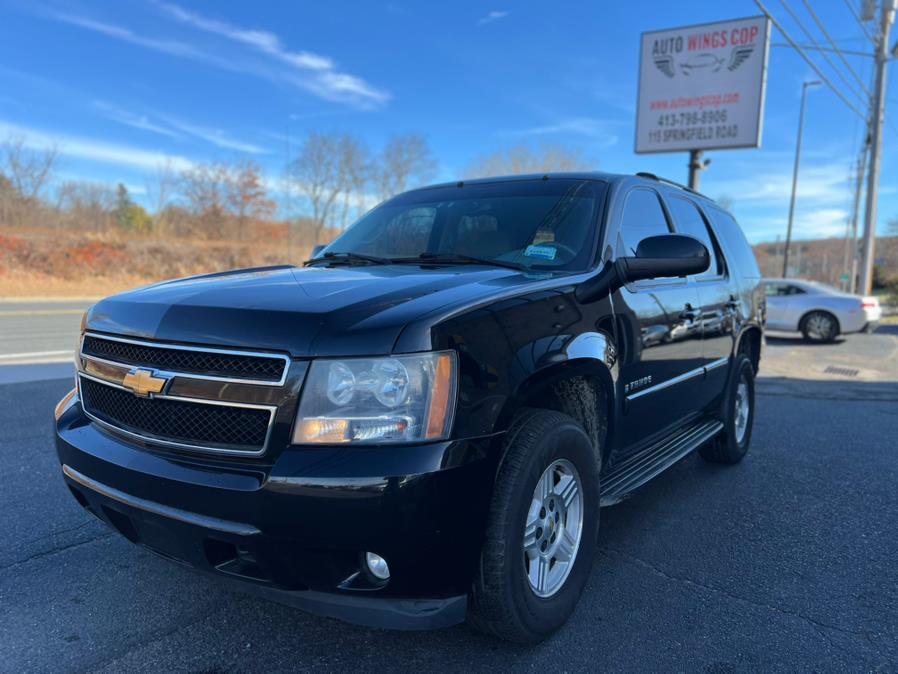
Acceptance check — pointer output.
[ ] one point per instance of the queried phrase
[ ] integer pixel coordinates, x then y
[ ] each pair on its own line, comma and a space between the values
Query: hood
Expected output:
305, 311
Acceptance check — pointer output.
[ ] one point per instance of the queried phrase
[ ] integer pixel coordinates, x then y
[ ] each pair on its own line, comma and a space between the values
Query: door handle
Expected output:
733, 303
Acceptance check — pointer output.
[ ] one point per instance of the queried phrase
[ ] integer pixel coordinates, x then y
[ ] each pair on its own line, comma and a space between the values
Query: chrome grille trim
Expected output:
196, 349
272, 410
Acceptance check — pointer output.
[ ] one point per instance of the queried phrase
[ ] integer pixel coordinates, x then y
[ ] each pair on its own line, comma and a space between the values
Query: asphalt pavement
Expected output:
786, 562
37, 338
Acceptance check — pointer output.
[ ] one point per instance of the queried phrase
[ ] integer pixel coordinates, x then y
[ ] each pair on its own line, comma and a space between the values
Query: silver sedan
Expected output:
820, 312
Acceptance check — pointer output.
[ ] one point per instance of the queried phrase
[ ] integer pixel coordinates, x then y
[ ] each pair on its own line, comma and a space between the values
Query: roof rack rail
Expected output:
652, 176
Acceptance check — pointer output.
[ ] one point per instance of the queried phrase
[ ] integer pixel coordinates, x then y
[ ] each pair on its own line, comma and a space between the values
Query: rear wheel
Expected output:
738, 416
819, 326
542, 530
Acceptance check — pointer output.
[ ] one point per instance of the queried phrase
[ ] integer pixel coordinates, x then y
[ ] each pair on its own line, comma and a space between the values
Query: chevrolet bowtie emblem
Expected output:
144, 383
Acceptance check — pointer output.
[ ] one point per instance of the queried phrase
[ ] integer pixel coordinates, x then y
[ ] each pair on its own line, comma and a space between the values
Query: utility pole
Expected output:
804, 92
696, 166
887, 18
851, 249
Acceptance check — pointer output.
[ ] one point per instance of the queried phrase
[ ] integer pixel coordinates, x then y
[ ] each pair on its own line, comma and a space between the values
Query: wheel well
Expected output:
750, 345
582, 397
820, 311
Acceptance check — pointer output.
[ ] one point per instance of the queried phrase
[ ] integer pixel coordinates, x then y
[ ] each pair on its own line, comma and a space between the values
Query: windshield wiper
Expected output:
348, 257
458, 258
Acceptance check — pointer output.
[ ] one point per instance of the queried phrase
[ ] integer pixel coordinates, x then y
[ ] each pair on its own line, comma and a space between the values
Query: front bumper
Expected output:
296, 529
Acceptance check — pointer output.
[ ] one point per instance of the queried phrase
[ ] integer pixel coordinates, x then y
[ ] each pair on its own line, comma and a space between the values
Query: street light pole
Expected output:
877, 116
804, 90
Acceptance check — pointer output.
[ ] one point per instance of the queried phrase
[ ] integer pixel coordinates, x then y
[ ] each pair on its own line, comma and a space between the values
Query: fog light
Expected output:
377, 565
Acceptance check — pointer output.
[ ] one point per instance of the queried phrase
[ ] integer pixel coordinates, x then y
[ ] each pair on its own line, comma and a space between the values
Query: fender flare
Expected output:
589, 354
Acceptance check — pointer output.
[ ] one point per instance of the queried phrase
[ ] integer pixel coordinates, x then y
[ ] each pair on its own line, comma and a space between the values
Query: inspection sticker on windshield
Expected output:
545, 252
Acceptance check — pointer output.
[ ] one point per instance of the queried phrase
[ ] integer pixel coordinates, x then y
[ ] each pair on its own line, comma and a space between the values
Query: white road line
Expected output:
41, 312
43, 356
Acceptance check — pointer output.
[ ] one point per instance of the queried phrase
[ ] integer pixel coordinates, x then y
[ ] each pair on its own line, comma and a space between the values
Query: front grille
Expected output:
188, 361
199, 425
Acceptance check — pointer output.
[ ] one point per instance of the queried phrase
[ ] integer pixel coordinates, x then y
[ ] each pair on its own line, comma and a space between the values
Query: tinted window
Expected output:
688, 220
540, 224
782, 290
643, 217
735, 243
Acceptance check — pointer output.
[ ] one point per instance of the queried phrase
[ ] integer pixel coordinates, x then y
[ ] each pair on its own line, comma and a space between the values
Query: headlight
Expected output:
378, 400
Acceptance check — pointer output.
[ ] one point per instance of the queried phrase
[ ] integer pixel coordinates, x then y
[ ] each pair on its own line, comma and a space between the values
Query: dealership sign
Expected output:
702, 87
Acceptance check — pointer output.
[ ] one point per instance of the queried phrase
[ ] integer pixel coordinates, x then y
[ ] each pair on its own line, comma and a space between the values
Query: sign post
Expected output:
702, 88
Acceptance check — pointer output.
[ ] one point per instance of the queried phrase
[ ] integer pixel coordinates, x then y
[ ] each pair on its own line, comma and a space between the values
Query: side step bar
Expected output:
638, 469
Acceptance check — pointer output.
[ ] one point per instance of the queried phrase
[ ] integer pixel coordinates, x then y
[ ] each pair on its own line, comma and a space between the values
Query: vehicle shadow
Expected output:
787, 339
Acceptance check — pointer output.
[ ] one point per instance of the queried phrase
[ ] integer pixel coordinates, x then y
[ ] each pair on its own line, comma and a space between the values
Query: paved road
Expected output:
786, 562
37, 339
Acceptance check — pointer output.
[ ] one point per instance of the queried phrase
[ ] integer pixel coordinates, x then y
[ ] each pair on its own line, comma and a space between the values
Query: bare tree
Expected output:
87, 203
247, 198
317, 175
406, 161
161, 191
523, 159
355, 172
893, 226
28, 172
205, 192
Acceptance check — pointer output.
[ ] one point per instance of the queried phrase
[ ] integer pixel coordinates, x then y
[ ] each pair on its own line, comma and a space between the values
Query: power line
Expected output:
857, 17
825, 56
810, 47
835, 46
808, 60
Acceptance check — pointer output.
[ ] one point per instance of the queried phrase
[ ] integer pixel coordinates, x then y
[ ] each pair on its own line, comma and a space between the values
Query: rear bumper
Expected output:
296, 530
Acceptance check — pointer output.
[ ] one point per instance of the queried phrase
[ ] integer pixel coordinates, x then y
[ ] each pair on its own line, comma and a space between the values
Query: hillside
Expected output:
824, 259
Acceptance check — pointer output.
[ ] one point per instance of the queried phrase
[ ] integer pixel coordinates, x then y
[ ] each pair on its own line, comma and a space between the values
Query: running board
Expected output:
638, 469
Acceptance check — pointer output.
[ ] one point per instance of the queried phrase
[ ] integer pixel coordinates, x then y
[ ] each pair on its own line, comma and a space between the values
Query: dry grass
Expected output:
49, 262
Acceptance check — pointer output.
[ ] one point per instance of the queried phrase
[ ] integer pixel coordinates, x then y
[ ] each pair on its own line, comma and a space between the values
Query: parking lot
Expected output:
785, 562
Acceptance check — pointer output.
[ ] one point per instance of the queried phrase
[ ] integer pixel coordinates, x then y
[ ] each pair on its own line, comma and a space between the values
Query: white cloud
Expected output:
821, 184
492, 16
319, 73
126, 35
312, 72
596, 129
813, 223
261, 40
215, 136
94, 150
132, 119
176, 128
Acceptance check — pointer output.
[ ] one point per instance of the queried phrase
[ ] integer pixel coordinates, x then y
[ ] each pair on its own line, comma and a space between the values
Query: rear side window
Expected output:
782, 290
689, 220
734, 242
643, 217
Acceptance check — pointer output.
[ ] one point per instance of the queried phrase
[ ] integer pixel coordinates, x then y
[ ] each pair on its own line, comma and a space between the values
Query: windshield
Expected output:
537, 224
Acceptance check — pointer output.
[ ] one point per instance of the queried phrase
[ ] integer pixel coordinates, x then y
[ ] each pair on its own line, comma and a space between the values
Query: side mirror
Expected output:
662, 256
317, 249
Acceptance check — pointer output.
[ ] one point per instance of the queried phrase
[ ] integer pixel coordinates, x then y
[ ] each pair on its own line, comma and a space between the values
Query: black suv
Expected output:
421, 424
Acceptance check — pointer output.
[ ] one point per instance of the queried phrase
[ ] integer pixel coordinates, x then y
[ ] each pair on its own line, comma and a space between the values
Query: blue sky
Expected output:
119, 86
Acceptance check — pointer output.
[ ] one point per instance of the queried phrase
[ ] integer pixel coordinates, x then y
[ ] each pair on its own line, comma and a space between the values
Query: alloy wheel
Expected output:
743, 409
553, 528
820, 326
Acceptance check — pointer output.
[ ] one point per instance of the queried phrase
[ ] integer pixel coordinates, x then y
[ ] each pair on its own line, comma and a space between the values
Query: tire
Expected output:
731, 444
504, 601
820, 326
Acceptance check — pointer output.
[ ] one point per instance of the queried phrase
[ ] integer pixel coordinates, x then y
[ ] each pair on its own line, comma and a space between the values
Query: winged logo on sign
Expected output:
738, 56
665, 64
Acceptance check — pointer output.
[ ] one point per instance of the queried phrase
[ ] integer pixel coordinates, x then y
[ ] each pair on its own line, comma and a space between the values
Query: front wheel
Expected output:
738, 416
542, 529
